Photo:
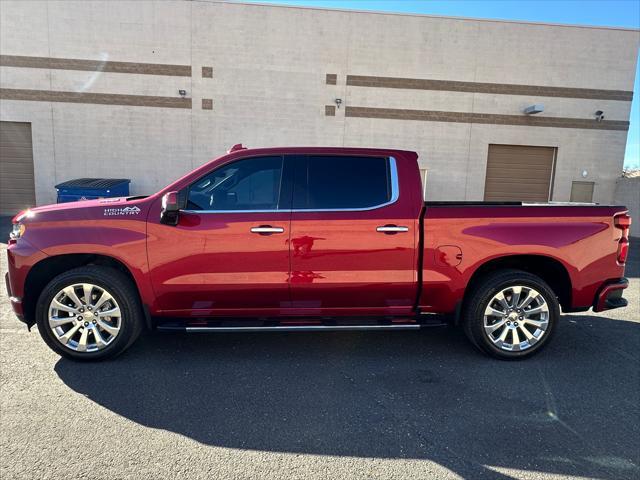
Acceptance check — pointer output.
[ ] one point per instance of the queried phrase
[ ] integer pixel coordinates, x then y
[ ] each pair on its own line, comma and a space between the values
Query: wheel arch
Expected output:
549, 269
48, 268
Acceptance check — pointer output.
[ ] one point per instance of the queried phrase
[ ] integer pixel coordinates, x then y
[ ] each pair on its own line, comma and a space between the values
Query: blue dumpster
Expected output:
92, 188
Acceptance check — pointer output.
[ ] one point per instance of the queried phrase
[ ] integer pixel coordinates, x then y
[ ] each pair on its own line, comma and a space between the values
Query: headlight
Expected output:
17, 231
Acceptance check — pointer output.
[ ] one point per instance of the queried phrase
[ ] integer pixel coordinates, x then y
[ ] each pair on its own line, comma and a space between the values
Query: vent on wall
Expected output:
582, 192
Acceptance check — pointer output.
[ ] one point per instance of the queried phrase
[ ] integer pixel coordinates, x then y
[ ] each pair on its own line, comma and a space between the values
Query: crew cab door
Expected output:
352, 237
229, 252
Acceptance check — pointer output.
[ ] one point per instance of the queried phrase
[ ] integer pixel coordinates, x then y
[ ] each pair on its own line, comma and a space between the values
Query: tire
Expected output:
486, 317
112, 325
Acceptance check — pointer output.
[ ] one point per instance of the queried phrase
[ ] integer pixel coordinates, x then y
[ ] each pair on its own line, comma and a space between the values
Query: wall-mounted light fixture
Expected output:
338, 102
533, 109
183, 93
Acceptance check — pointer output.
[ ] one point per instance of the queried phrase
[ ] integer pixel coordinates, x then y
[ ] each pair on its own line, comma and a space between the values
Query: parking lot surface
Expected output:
333, 405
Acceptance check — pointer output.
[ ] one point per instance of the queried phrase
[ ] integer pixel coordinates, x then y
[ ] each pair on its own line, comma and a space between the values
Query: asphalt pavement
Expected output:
388, 405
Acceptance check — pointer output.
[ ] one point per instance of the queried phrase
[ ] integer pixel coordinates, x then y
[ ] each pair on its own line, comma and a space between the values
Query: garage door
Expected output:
17, 189
516, 172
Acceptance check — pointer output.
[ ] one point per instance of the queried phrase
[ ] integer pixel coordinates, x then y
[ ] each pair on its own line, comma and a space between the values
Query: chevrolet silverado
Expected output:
310, 239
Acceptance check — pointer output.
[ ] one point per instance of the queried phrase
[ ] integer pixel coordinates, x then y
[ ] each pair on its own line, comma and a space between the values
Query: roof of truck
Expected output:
239, 148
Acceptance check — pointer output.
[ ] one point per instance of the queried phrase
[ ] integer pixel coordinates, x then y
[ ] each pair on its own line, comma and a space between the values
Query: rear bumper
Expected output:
610, 295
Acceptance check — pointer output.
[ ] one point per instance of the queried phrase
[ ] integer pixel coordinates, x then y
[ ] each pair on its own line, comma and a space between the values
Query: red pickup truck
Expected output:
310, 239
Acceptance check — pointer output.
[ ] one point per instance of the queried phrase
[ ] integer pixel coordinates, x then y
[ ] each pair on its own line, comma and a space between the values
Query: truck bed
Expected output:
578, 242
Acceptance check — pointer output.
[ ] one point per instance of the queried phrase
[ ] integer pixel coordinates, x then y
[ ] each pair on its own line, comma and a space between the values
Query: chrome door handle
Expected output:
389, 229
266, 230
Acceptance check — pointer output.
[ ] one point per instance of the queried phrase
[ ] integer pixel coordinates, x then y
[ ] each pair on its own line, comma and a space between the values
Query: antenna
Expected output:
236, 147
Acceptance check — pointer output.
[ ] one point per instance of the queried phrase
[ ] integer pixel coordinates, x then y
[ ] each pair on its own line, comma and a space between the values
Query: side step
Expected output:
287, 328
326, 325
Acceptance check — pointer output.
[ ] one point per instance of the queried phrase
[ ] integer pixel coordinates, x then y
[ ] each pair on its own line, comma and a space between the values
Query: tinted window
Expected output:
336, 182
251, 184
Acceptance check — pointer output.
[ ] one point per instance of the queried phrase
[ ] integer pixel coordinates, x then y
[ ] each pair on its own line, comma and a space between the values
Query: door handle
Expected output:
266, 230
391, 229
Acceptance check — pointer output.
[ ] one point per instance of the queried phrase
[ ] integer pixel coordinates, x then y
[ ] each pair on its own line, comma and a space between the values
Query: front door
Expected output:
352, 238
229, 253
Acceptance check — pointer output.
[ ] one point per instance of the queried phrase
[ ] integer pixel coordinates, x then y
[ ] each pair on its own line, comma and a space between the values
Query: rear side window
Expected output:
250, 184
343, 182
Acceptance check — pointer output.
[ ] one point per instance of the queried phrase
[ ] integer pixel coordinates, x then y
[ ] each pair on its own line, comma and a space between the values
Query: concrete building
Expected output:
92, 89
628, 193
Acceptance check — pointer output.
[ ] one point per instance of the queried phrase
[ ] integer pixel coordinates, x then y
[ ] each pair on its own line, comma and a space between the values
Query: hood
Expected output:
85, 209
79, 204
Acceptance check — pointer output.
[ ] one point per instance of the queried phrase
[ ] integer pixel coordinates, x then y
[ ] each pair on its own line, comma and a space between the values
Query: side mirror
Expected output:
170, 209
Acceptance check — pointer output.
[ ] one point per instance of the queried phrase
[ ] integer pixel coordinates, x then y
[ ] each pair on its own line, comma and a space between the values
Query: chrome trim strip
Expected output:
267, 230
301, 328
392, 229
236, 211
395, 194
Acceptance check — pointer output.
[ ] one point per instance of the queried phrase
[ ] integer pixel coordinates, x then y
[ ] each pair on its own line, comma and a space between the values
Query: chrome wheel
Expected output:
84, 317
516, 318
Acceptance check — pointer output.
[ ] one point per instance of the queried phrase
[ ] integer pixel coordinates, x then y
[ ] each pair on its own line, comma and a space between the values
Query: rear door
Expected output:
352, 238
229, 253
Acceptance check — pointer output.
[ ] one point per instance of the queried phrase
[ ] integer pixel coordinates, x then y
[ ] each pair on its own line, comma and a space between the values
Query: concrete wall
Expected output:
628, 193
269, 88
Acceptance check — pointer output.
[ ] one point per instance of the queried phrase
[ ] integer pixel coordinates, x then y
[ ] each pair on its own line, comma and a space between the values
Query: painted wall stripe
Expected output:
94, 98
484, 118
95, 65
492, 88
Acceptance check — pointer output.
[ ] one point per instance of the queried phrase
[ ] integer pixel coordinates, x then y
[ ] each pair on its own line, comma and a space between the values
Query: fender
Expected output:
114, 229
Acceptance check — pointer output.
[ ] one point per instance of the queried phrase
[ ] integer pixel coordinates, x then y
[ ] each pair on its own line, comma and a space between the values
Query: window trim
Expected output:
395, 194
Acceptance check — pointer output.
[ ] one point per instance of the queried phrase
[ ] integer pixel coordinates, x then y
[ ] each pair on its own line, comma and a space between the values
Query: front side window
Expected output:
250, 184
345, 182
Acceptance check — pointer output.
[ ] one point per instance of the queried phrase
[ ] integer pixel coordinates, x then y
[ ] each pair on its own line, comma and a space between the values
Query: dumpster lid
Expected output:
93, 183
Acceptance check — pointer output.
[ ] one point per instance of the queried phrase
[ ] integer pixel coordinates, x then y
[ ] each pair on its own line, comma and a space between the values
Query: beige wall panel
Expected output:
555, 55
628, 194
152, 146
269, 88
136, 31
14, 37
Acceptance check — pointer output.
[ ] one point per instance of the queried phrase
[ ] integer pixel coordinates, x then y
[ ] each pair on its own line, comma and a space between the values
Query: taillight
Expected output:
623, 222
623, 250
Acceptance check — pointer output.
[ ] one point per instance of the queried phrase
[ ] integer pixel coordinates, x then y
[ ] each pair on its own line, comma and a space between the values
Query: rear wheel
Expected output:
89, 313
511, 314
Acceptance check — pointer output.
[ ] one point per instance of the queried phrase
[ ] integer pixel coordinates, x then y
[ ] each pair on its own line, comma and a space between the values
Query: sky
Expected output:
610, 13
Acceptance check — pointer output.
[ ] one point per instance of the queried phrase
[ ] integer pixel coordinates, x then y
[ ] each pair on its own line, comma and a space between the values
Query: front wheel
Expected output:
511, 314
89, 313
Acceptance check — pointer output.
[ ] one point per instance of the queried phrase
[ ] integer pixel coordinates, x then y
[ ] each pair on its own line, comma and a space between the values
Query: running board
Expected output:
288, 328
278, 325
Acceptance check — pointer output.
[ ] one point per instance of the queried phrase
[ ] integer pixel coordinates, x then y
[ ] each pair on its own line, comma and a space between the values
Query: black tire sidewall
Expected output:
118, 285
490, 286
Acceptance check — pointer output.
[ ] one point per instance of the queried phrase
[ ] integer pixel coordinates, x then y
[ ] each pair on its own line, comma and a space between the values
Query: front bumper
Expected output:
16, 303
610, 295
21, 256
